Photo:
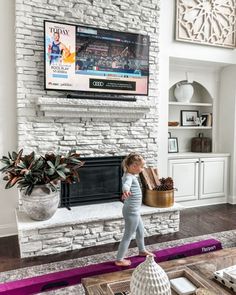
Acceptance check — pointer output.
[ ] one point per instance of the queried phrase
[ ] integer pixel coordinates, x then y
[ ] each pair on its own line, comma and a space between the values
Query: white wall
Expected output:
8, 137
227, 124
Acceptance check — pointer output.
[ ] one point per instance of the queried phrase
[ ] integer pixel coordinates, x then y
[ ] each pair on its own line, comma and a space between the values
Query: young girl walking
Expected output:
133, 164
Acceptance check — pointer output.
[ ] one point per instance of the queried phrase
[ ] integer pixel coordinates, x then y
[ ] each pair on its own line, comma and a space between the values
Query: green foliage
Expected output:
30, 170
166, 184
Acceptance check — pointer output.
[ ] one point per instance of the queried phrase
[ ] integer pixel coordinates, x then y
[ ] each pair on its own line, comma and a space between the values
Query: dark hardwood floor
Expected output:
193, 222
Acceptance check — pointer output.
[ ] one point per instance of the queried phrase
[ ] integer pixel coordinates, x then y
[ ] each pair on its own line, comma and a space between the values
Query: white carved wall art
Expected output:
210, 22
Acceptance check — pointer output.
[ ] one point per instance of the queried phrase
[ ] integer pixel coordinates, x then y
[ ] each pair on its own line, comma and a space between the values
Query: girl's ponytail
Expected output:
131, 159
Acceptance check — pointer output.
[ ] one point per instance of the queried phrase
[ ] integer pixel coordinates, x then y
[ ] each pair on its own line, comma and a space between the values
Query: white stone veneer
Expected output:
107, 130
86, 226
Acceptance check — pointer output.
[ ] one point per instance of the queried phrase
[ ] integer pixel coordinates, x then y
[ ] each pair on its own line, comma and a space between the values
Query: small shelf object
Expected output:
173, 145
189, 117
183, 91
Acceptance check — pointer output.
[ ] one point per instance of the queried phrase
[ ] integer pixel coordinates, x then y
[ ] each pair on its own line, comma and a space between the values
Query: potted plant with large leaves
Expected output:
38, 178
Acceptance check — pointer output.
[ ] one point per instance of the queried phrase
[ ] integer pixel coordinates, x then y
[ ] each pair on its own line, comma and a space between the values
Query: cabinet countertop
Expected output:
196, 155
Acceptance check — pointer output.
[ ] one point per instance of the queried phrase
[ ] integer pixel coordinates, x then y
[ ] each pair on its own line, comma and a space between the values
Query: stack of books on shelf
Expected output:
207, 119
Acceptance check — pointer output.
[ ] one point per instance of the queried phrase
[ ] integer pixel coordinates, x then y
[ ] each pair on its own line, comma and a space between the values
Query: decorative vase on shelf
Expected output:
183, 92
149, 278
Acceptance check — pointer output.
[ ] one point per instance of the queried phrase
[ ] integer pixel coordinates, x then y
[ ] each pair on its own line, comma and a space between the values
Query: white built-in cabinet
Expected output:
200, 179
185, 175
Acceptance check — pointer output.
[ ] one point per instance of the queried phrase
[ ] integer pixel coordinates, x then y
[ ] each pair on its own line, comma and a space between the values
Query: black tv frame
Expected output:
93, 94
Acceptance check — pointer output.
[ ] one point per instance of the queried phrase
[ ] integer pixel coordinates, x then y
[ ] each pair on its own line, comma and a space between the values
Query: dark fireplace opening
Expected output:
100, 182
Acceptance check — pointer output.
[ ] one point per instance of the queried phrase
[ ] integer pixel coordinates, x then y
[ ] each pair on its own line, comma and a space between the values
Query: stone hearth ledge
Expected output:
86, 226
92, 108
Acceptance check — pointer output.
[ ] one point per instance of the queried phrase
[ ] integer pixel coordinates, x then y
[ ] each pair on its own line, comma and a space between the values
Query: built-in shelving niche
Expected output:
202, 102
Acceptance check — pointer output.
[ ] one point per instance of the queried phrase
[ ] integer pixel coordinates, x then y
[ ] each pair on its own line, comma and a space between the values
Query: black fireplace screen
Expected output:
100, 181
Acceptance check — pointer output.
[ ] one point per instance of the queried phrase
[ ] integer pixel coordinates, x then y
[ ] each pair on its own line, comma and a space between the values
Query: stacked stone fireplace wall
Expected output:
47, 121
101, 136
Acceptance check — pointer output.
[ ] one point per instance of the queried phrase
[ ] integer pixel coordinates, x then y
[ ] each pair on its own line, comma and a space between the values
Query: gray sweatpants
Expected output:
133, 224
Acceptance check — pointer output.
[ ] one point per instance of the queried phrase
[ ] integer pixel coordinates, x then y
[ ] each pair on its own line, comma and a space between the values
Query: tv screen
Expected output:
79, 58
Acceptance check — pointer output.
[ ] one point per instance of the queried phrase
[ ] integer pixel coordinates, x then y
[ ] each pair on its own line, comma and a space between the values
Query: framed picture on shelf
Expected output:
173, 145
189, 118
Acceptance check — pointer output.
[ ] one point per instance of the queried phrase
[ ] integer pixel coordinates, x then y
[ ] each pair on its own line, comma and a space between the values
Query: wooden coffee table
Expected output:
201, 267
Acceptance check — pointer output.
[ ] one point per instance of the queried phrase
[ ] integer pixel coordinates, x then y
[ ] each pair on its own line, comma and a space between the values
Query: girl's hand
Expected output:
125, 195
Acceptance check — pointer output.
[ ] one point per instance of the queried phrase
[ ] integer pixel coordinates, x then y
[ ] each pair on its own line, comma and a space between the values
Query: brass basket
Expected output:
160, 199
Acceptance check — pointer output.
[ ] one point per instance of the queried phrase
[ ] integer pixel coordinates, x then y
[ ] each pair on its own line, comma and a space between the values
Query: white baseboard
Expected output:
8, 229
203, 202
232, 200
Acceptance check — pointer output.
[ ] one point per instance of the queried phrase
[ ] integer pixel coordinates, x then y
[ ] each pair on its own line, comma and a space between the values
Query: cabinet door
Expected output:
185, 175
213, 177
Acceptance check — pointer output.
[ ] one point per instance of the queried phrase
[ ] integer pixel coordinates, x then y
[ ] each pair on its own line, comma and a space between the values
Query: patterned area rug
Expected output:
227, 238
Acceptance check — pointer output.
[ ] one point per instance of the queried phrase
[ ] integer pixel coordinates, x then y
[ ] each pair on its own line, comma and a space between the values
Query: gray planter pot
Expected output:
41, 204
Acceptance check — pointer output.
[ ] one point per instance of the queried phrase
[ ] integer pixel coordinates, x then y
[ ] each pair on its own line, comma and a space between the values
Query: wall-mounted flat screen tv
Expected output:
79, 58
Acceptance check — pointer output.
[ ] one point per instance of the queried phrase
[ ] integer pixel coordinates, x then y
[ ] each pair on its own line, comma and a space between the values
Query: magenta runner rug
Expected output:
73, 276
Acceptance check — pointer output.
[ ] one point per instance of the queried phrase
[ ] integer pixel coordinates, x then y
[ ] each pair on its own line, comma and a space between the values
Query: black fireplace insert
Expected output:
100, 182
